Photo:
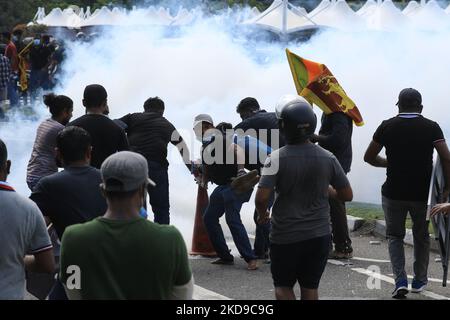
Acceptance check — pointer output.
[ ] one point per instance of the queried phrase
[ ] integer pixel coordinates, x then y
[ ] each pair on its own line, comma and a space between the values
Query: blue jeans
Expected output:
222, 201
159, 195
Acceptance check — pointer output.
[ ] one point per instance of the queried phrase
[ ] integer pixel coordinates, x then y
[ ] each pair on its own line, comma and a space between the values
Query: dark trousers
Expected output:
13, 95
262, 233
38, 80
341, 237
395, 212
223, 200
159, 195
58, 292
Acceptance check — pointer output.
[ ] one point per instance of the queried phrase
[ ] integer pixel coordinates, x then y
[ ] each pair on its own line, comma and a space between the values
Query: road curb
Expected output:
380, 230
354, 223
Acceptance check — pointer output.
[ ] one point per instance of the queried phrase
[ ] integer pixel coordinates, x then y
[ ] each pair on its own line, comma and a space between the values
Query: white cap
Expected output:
285, 100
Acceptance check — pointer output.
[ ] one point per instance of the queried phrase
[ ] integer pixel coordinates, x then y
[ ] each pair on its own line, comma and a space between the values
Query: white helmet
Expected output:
285, 100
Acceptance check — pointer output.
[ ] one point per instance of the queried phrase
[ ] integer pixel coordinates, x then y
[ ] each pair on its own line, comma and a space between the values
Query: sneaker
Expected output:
418, 286
340, 255
401, 289
223, 262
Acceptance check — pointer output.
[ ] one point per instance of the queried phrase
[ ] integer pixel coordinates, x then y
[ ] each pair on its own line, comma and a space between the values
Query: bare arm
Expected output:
262, 203
42, 262
344, 194
239, 155
185, 154
372, 155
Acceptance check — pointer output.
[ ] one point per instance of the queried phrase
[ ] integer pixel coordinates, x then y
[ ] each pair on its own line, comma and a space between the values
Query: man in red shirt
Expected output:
11, 54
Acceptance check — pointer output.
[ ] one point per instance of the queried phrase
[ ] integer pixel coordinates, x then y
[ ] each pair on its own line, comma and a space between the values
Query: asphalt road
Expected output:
342, 279
367, 276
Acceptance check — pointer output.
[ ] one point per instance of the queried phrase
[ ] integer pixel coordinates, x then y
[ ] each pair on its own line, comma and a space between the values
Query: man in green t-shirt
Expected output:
121, 255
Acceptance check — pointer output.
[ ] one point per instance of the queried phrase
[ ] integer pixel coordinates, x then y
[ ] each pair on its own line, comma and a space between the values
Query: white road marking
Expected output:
429, 279
390, 280
339, 263
371, 260
201, 293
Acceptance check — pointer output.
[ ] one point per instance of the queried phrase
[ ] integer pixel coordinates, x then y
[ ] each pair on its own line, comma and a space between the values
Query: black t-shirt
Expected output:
149, 134
262, 120
409, 141
40, 56
107, 137
337, 130
218, 170
70, 197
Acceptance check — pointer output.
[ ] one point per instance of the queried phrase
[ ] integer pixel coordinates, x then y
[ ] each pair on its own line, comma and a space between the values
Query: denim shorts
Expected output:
302, 262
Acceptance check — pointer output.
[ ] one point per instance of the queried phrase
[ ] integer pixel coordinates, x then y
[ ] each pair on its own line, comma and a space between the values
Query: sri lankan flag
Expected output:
318, 85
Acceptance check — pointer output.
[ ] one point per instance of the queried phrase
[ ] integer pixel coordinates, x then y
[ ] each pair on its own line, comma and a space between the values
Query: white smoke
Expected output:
206, 68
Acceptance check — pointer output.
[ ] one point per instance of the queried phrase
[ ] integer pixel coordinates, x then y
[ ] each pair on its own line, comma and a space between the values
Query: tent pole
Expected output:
285, 13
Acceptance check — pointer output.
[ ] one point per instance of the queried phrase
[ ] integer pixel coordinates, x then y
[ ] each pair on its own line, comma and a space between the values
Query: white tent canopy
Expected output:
431, 17
367, 8
103, 17
340, 16
321, 8
411, 9
59, 18
282, 17
386, 17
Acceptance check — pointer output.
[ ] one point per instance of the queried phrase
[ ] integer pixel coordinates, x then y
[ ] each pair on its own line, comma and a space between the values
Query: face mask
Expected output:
143, 213
15, 38
37, 42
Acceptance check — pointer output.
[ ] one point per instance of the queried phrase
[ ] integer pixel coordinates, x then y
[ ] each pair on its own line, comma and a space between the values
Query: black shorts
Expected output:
302, 261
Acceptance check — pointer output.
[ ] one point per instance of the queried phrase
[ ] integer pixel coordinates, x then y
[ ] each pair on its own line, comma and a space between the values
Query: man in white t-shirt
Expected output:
24, 241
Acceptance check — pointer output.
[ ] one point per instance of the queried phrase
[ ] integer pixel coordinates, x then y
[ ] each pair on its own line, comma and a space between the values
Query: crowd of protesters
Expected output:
28, 67
92, 215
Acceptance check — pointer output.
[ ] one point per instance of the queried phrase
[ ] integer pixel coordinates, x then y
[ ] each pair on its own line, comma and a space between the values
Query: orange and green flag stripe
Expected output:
315, 82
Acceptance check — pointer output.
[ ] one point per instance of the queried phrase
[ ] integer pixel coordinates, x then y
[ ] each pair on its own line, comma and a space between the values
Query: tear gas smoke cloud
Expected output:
207, 69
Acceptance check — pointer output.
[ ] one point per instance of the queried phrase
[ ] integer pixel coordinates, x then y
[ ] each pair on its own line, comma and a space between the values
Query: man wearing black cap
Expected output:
107, 137
409, 140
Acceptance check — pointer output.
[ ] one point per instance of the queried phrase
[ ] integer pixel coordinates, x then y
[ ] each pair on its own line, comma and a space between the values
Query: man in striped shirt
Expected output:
24, 241
5, 74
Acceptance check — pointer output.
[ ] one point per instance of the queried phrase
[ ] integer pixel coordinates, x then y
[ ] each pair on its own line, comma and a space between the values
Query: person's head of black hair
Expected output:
18, 33
95, 96
6, 36
73, 145
45, 39
154, 105
247, 107
224, 126
5, 164
60, 107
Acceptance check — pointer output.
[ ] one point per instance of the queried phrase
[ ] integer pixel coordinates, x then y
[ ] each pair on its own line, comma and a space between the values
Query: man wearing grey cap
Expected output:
409, 140
222, 162
138, 259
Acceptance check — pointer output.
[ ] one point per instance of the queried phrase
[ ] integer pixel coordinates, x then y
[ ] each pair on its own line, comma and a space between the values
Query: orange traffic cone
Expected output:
201, 245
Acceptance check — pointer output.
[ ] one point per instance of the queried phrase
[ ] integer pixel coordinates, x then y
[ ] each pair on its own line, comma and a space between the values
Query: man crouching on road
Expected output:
222, 161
